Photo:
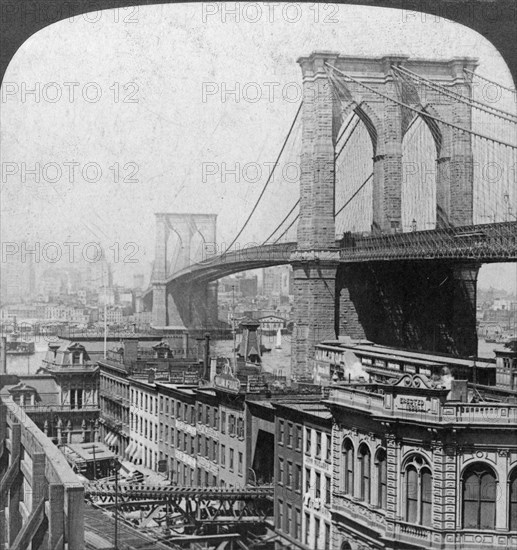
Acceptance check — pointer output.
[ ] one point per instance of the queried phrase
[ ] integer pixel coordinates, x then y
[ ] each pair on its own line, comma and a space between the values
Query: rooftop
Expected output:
364, 347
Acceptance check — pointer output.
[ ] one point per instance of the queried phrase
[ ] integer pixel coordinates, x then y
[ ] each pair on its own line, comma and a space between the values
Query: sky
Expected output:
133, 113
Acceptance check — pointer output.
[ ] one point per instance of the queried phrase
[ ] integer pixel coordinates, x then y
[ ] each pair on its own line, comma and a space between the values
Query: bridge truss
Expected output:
485, 243
187, 513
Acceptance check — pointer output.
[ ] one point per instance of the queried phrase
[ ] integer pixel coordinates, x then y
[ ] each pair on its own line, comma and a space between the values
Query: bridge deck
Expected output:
484, 243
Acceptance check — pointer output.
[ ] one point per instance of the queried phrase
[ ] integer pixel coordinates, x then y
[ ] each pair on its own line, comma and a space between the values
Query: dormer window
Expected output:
76, 358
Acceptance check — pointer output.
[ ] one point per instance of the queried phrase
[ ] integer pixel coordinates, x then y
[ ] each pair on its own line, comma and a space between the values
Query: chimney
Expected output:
130, 350
151, 373
206, 357
459, 391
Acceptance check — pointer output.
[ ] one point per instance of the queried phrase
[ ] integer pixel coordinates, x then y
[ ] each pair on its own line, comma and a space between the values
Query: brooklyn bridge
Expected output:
406, 189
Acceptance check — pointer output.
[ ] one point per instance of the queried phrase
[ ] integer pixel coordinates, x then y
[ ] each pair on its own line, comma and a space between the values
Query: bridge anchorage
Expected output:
397, 208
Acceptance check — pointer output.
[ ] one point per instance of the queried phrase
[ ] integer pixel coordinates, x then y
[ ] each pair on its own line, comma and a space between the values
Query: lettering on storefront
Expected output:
256, 384
310, 461
366, 361
379, 363
185, 458
413, 404
393, 366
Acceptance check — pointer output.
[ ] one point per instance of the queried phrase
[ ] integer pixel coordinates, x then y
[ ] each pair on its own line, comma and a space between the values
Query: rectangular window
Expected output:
223, 455
307, 480
281, 432
289, 434
216, 451
166, 405
308, 443
192, 445
207, 444
316, 533
231, 459
240, 464
200, 413
328, 456
298, 478
216, 419
280, 515
240, 428
297, 517
298, 438
318, 444
161, 403
289, 515
289, 482
318, 485
307, 528
232, 424
192, 415
223, 422
327, 536
280, 471
327, 490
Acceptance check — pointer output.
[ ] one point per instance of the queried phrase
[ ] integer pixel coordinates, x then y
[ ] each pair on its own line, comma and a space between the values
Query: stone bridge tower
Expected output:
324, 292
181, 241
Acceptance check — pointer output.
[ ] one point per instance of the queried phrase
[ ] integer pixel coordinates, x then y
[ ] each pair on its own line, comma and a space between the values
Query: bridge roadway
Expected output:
486, 243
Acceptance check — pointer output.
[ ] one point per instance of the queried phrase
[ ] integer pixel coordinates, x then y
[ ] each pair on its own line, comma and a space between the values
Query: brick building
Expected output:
303, 475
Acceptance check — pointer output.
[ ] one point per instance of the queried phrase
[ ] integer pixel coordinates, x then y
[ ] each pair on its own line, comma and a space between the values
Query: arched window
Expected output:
382, 478
418, 491
364, 457
479, 497
348, 467
513, 501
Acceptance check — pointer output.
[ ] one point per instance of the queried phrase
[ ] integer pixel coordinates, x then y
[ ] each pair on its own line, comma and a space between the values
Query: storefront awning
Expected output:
129, 449
138, 454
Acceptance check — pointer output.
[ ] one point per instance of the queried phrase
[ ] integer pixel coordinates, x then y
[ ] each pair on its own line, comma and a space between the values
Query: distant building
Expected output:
271, 324
62, 398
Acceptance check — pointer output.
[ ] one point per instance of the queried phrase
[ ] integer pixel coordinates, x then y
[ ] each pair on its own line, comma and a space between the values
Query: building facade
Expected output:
416, 465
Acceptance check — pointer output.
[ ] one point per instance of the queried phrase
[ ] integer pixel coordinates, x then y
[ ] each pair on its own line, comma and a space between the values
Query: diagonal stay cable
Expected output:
423, 113
512, 90
283, 221
354, 195
494, 111
268, 179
